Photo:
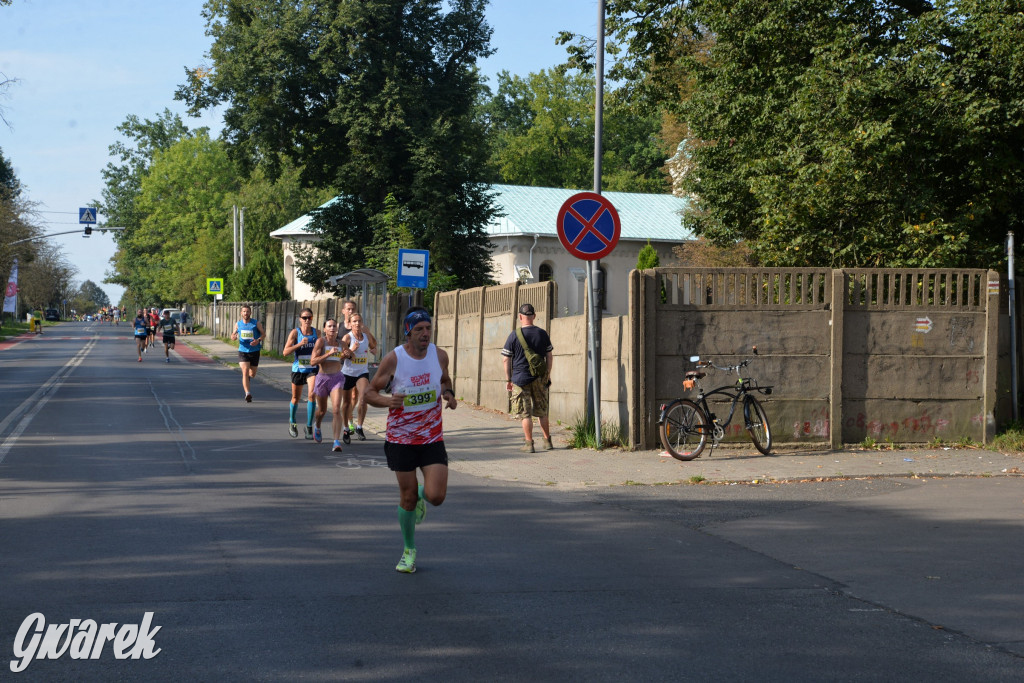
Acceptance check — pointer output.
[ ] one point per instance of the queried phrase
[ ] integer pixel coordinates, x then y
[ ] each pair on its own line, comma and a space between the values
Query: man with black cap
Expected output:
528, 375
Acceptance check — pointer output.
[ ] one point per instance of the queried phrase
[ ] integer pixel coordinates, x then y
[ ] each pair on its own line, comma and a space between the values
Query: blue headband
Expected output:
414, 319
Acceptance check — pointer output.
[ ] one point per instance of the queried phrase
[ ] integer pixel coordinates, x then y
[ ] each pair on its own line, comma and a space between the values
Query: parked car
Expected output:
52, 314
175, 314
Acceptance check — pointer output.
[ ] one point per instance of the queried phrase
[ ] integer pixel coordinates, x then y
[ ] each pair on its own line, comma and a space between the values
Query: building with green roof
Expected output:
526, 245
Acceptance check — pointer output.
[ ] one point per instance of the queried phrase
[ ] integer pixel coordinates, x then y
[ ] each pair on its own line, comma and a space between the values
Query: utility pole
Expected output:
241, 237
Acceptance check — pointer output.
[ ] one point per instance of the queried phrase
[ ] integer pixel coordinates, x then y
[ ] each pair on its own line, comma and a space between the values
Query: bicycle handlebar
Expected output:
725, 368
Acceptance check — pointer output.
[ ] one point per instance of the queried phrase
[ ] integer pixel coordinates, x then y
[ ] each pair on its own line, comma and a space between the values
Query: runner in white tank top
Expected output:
362, 345
418, 372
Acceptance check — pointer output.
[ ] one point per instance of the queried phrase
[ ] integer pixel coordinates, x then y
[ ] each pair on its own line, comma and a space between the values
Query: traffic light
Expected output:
88, 229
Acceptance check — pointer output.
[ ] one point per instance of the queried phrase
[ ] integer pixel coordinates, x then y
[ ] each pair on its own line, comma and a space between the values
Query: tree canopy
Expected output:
842, 132
369, 99
180, 234
541, 132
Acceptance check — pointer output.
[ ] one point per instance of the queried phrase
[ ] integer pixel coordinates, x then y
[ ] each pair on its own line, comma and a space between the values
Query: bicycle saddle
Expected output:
693, 374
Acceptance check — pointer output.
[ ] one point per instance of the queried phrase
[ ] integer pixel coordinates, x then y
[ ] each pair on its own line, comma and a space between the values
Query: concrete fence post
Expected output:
835, 393
991, 294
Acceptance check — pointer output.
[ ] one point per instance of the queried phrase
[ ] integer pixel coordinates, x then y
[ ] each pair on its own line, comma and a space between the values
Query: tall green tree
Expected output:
10, 186
143, 140
123, 180
270, 203
262, 279
90, 297
43, 282
541, 131
184, 234
369, 98
848, 132
16, 222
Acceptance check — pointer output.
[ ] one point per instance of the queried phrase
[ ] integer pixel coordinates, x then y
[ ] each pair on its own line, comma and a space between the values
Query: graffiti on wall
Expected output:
817, 425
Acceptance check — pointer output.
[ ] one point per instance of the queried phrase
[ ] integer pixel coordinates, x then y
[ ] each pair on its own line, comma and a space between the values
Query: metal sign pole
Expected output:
594, 319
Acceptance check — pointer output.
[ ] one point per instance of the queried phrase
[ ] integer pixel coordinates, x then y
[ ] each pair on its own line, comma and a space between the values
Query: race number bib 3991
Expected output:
245, 334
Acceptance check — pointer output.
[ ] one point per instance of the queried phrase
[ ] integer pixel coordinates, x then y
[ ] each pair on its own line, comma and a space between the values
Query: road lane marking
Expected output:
184, 447
34, 403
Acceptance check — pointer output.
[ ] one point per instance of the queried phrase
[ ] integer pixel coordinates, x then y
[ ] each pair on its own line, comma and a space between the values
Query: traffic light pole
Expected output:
55, 234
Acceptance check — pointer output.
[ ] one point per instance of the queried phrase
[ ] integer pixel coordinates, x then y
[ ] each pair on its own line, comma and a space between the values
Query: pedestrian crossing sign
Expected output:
214, 285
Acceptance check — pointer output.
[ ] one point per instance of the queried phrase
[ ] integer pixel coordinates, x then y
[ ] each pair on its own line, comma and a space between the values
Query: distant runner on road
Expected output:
141, 332
167, 326
249, 334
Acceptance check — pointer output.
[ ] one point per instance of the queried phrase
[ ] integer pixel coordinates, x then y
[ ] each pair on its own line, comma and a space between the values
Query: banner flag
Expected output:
10, 296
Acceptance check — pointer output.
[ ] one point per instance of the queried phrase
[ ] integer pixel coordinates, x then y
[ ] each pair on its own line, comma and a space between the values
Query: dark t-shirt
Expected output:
167, 326
538, 340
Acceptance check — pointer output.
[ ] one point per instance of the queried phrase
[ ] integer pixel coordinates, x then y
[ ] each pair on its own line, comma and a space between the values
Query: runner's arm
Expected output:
446, 381
291, 343
380, 380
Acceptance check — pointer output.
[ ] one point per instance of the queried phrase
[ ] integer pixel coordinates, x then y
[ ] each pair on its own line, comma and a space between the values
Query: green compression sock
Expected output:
310, 409
291, 413
407, 522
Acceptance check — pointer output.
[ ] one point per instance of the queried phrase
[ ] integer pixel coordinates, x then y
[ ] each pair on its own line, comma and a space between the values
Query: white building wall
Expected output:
510, 251
299, 290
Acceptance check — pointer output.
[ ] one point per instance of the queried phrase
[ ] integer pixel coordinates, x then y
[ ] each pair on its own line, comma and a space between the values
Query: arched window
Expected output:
289, 274
546, 273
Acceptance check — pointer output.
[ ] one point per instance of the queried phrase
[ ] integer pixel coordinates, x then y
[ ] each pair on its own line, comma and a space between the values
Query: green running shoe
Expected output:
407, 565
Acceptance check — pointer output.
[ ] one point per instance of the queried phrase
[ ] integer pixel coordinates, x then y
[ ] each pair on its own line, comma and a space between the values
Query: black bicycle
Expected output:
685, 425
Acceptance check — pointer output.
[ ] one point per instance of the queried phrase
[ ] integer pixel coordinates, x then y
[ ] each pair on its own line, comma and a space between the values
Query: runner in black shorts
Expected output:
167, 326
418, 372
301, 341
249, 334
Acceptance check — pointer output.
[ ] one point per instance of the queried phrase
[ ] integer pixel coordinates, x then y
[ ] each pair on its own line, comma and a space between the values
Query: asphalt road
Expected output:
131, 488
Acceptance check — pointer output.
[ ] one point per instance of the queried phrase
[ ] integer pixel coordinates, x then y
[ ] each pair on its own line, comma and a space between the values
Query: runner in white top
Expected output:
357, 376
418, 372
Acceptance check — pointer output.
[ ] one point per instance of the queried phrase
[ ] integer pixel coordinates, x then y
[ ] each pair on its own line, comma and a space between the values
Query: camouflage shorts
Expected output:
530, 401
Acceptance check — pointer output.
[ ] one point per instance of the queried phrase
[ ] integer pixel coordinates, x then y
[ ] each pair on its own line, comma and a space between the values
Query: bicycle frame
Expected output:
732, 392
717, 426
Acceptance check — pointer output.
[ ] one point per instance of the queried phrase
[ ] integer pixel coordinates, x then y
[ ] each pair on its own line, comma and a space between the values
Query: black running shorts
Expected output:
407, 457
299, 379
252, 358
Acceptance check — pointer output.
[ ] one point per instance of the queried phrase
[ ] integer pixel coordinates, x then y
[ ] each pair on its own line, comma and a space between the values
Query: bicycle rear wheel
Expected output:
757, 424
683, 429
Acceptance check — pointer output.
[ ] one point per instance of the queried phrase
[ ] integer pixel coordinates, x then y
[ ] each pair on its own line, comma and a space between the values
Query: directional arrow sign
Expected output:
588, 226
923, 325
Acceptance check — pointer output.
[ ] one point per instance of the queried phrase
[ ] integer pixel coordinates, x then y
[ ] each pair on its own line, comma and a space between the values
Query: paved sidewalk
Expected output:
485, 443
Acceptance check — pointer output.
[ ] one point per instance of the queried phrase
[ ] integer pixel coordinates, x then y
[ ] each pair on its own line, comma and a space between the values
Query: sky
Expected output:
83, 67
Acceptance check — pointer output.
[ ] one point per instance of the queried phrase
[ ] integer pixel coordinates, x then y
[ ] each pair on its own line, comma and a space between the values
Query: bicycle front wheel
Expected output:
757, 424
683, 429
